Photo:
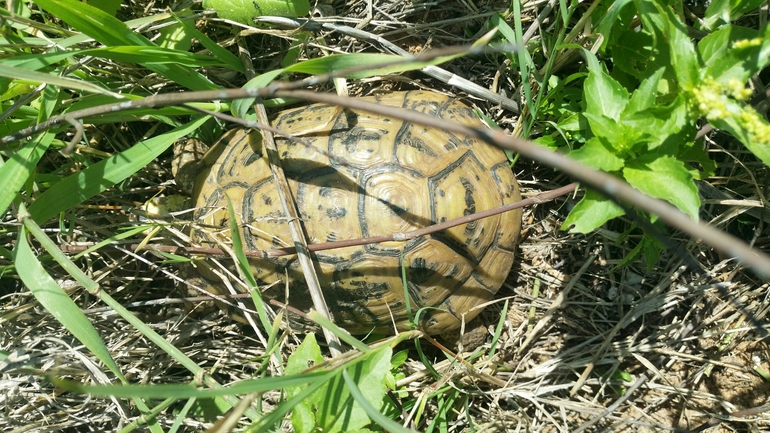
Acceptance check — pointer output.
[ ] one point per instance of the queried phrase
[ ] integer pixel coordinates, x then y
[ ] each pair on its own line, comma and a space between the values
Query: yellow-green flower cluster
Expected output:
747, 43
713, 101
757, 128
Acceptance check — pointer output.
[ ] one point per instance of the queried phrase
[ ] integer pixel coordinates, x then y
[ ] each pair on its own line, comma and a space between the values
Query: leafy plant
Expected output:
639, 120
332, 407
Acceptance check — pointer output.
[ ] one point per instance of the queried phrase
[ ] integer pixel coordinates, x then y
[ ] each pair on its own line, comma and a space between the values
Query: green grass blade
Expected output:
243, 264
336, 330
124, 53
324, 65
112, 32
16, 170
220, 53
40, 77
104, 174
55, 300
189, 391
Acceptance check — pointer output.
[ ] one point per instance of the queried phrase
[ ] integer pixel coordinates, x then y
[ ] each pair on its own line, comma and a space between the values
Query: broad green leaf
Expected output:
748, 127
649, 13
98, 177
112, 32
644, 95
332, 408
590, 213
56, 302
307, 355
620, 137
735, 53
244, 11
697, 154
640, 54
17, 169
336, 410
596, 153
364, 399
683, 55
603, 95
660, 122
726, 11
666, 178
609, 19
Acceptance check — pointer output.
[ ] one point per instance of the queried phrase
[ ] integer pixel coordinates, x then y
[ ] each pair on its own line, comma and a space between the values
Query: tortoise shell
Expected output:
366, 175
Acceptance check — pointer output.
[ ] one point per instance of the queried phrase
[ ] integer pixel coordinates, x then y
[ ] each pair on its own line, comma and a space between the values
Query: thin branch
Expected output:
610, 186
278, 252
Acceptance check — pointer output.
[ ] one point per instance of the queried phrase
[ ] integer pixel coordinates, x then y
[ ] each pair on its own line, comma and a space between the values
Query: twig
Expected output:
610, 186
433, 71
278, 252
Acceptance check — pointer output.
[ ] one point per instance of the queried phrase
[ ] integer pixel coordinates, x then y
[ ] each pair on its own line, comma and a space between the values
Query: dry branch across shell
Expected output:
357, 174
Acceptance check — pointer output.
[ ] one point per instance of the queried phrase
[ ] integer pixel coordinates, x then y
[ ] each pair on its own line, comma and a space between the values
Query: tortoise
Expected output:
358, 175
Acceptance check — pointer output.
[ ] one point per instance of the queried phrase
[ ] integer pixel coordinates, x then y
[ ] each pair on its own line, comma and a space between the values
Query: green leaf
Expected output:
55, 300
735, 53
40, 77
699, 155
176, 391
332, 63
644, 96
217, 50
683, 56
726, 11
590, 213
640, 54
332, 408
125, 53
596, 153
176, 36
307, 355
112, 32
98, 177
748, 127
244, 11
18, 168
617, 135
609, 20
660, 122
603, 95
666, 178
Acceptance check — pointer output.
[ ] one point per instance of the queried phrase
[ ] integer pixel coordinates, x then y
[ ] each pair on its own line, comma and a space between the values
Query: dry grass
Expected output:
598, 348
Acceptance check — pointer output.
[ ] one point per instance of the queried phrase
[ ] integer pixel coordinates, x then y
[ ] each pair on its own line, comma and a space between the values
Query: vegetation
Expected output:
618, 321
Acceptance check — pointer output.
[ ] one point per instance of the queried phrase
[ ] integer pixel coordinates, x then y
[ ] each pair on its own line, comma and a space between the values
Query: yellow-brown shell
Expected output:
367, 175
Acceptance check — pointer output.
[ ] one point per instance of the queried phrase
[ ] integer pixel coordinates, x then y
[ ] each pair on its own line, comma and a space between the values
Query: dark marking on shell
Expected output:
336, 213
